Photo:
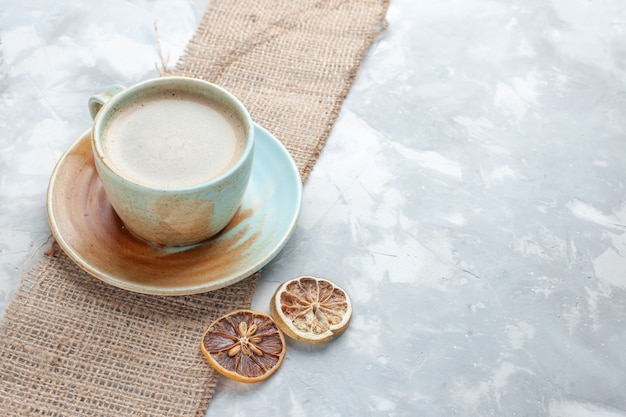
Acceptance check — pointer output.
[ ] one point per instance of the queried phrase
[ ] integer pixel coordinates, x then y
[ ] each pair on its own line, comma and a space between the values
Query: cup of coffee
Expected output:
174, 156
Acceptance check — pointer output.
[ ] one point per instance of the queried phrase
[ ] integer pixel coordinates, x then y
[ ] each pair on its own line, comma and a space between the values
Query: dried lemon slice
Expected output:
244, 345
310, 309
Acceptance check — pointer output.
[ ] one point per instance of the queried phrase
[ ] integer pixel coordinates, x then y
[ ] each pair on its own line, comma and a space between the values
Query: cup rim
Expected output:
178, 81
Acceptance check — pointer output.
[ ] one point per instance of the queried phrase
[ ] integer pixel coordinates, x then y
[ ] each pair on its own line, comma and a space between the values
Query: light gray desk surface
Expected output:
471, 199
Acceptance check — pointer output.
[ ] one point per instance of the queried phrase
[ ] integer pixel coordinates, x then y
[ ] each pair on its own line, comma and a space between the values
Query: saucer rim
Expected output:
212, 283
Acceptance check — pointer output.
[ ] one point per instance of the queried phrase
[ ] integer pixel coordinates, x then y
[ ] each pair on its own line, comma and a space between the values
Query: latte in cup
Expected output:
173, 139
174, 156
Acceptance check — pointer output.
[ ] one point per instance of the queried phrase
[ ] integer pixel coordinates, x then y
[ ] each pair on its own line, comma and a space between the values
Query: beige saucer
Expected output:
88, 230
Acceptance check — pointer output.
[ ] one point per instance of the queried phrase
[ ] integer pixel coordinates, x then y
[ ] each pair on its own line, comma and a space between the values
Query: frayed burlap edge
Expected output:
71, 345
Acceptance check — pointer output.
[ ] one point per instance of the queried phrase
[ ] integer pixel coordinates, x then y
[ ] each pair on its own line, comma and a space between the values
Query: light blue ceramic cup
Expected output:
171, 216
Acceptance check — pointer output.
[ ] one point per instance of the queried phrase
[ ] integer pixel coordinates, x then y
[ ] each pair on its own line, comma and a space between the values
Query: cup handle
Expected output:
98, 100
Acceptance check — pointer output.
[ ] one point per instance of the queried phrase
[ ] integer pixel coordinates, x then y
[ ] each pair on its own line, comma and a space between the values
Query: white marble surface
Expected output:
471, 199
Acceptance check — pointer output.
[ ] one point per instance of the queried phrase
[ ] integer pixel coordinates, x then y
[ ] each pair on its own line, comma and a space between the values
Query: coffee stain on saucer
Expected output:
96, 239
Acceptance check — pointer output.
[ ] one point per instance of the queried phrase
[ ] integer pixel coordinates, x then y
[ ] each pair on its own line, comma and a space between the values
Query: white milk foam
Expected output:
173, 140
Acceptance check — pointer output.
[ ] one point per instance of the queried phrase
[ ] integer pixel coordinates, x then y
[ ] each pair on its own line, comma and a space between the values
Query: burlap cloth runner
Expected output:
71, 345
